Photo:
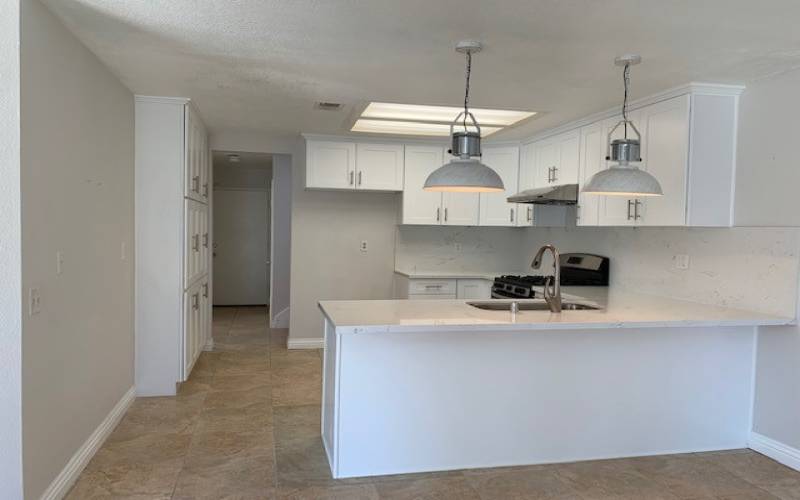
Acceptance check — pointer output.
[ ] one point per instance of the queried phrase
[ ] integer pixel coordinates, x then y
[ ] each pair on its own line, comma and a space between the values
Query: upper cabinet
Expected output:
347, 165
433, 208
688, 144
556, 160
494, 209
197, 158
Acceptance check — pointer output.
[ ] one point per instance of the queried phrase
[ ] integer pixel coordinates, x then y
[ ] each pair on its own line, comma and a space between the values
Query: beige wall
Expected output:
77, 198
327, 228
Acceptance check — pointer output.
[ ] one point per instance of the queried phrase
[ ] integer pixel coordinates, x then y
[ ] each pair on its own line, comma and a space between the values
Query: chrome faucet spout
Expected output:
552, 287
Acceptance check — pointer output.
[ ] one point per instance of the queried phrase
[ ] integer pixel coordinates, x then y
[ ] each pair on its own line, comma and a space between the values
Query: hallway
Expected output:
246, 426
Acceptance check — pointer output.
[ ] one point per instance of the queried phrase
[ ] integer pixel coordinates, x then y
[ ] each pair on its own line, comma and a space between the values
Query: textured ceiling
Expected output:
259, 65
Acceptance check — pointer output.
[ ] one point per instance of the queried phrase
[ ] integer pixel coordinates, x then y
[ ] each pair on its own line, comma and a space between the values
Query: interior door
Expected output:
241, 247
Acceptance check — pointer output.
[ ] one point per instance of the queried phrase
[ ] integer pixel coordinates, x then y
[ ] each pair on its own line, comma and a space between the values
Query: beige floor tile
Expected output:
135, 481
783, 492
690, 476
292, 422
161, 415
238, 477
756, 469
229, 366
241, 381
440, 488
344, 492
254, 417
302, 462
610, 479
237, 399
216, 448
521, 484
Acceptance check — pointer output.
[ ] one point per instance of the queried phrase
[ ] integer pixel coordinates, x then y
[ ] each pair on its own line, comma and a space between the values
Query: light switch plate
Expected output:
681, 261
34, 302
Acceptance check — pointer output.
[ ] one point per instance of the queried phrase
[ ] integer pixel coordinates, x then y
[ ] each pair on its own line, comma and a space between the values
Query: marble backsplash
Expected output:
744, 267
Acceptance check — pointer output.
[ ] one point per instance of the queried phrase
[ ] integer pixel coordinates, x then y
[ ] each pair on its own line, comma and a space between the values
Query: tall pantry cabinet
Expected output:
173, 242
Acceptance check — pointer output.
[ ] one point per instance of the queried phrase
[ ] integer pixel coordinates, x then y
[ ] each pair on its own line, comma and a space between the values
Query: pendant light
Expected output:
624, 178
465, 173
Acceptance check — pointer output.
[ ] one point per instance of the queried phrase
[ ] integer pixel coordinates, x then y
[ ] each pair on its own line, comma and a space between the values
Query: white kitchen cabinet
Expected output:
494, 209
433, 208
619, 210
557, 160
536, 215
441, 288
173, 240
330, 165
354, 166
665, 155
471, 289
592, 160
379, 167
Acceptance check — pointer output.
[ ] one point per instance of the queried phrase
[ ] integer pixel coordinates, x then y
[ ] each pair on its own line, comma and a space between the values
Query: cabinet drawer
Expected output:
431, 287
423, 296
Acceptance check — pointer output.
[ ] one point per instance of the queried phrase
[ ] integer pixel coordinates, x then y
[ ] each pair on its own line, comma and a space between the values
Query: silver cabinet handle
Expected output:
549, 174
351, 177
511, 211
196, 183
437, 214
359, 177
205, 240
196, 301
445, 214
555, 177
530, 214
636, 215
577, 212
630, 204
205, 289
196, 242
205, 190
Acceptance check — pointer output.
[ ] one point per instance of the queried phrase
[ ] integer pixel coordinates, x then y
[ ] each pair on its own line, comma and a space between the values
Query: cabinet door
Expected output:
617, 210
193, 241
194, 140
460, 209
666, 156
592, 160
205, 167
330, 165
474, 289
566, 171
205, 243
527, 180
205, 316
191, 328
419, 206
547, 158
379, 167
494, 209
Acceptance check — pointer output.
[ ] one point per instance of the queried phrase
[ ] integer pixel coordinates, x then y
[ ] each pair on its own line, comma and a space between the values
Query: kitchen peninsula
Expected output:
413, 386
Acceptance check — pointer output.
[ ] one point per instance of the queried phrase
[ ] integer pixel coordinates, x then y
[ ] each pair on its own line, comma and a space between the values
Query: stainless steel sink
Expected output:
529, 305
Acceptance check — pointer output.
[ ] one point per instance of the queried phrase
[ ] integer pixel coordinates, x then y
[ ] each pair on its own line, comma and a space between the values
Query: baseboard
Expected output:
209, 345
280, 319
305, 343
69, 474
775, 450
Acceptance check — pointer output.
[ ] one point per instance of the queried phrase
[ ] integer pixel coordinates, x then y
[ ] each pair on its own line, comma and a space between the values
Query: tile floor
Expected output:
246, 426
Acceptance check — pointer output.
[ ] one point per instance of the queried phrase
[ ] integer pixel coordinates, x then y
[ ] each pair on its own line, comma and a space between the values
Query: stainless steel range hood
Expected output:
564, 194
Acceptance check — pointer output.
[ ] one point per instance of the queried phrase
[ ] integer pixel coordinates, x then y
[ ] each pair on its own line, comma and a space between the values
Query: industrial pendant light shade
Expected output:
465, 173
624, 178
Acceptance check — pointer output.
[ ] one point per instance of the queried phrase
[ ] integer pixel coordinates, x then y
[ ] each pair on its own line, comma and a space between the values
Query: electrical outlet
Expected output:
34, 302
458, 247
59, 262
363, 246
681, 261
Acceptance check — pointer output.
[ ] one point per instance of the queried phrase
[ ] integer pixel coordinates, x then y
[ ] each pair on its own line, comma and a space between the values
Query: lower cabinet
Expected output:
441, 289
196, 323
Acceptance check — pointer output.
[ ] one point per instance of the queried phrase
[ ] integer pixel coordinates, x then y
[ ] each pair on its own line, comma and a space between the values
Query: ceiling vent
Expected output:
328, 106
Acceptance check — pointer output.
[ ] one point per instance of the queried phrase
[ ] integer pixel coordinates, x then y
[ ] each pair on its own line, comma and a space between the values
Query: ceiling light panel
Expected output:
411, 128
445, 114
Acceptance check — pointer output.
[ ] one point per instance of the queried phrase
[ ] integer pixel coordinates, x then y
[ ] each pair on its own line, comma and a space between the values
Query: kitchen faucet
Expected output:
552, 286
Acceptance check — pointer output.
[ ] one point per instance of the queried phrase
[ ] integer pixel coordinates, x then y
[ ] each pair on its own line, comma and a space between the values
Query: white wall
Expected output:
10, 256
281, 240
766, 194
327, 228
77, 197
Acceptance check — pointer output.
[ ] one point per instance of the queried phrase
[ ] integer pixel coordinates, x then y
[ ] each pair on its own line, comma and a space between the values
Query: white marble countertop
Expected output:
620, 309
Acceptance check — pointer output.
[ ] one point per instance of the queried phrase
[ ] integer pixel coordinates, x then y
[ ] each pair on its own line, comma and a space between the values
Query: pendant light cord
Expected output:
466, 93
626, 80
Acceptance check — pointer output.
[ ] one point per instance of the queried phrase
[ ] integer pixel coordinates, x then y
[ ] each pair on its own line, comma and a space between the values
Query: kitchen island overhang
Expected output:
410, 390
